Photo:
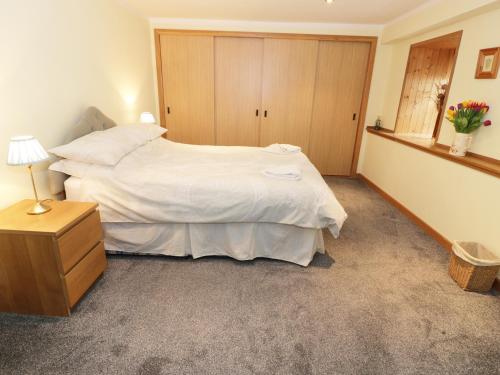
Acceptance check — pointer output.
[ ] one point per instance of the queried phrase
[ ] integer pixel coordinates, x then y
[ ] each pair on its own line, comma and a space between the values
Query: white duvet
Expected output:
168, 182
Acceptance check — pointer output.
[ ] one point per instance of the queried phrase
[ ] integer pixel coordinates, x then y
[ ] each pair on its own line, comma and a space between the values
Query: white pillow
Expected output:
76, 168
108, 147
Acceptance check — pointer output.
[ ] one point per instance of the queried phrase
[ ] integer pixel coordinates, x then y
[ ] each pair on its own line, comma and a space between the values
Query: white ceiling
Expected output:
341, 11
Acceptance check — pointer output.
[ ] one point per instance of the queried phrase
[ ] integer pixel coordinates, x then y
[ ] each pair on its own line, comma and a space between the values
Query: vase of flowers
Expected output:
466, 117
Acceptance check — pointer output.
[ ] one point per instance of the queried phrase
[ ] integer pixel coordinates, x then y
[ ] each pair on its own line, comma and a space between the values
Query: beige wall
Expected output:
434, 14
58, 57
479, 32
457, 201
460, 203
261, 26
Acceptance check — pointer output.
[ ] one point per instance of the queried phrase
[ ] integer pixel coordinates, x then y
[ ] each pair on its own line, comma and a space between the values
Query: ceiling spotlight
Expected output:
329, 1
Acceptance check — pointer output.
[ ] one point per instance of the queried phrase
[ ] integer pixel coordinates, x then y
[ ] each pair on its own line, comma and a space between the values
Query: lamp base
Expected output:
39, 208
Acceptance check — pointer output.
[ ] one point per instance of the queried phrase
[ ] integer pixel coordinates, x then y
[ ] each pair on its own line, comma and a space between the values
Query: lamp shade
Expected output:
147, 118
25, 150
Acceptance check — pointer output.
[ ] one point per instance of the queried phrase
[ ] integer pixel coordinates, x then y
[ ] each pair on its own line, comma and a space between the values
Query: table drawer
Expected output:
79, 240
83, 275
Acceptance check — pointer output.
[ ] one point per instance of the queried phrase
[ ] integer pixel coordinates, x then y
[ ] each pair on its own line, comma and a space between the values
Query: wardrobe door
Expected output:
238, 85
288, 86
342, 68
187, 64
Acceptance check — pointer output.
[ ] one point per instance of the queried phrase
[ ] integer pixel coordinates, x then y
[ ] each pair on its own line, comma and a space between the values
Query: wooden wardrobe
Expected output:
252, 89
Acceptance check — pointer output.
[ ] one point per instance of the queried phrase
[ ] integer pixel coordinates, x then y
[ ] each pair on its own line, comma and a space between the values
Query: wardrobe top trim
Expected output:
245, 34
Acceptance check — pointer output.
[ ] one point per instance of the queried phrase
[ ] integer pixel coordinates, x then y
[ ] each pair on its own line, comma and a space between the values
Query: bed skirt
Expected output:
242, 241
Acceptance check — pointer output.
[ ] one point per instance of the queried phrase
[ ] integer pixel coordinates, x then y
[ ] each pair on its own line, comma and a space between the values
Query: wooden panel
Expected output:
422, 98
85, 273
427, 68
447, 41
238, 83
430, 64
6, 296
79, 240
364, 105
428, 109
63, 215
403, 122
187, 66
288, 86
31, 283
159, 33
340, 80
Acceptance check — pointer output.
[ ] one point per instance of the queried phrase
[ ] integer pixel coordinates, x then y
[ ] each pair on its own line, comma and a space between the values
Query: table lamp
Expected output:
147, 118
26, 150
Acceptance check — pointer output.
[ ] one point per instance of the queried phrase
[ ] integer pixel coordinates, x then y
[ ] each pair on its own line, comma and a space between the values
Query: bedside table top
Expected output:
63, 215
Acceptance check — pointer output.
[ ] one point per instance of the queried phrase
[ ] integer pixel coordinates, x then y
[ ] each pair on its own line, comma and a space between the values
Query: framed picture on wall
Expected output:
488, 62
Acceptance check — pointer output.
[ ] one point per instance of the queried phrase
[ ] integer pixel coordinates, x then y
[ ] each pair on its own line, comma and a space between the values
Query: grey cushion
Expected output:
92, 120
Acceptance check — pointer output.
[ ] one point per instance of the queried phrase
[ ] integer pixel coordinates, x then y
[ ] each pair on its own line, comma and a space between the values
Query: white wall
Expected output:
458, 202
59, 57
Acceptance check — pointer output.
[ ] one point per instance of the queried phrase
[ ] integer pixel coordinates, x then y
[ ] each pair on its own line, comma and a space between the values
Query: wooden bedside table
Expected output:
48, 262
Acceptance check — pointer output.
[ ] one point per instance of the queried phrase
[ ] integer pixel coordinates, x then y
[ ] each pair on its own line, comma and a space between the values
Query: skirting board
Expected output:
422, 224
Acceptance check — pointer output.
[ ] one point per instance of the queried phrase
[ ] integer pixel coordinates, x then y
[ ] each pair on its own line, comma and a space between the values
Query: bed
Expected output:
167, 198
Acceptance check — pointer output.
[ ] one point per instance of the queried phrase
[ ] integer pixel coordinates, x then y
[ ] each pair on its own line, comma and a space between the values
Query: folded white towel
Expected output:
283, 172
281, 148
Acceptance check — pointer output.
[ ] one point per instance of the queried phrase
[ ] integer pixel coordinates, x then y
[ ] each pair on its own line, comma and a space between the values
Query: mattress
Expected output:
167, 182
72, 187
242, 241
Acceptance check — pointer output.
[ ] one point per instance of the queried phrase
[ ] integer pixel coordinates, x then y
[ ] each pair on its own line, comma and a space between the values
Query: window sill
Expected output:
481, 163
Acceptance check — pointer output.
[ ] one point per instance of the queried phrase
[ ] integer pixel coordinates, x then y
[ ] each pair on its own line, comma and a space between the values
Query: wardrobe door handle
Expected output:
353, 116
265, 113
168, 110
257, 112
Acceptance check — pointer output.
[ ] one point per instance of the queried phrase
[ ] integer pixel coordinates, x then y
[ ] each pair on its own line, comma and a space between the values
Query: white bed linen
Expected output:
242, 241
168, 182
72, 188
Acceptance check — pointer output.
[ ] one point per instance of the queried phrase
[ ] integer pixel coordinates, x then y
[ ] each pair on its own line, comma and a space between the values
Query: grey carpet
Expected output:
381, 303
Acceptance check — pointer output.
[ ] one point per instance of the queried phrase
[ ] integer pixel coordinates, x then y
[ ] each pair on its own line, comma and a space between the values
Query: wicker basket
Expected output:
471, 277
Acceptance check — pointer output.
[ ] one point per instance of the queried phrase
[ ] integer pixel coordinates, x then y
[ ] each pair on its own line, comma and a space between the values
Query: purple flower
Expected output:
487, 123
452, 108
460, 106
